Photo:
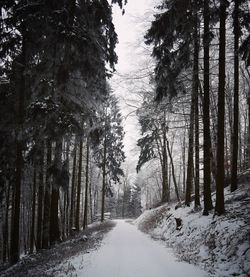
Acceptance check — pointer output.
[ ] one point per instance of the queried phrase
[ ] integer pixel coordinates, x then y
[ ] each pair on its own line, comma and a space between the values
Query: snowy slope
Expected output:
220, 245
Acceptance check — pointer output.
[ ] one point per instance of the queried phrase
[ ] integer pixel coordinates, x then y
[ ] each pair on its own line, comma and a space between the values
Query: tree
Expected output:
164, 33
109, 153
14, 249
153, 144
238, 15
220, 172
135, 206
46, 211
85, 216
206, 112
235, 138
56, 174
40, 199
79, 185
196, 108
73, 189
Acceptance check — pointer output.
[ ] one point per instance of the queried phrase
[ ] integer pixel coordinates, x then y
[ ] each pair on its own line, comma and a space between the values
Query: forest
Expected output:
64, 165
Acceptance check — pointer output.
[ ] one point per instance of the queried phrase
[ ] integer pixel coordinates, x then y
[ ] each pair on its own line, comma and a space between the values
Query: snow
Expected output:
219, 245
127, 252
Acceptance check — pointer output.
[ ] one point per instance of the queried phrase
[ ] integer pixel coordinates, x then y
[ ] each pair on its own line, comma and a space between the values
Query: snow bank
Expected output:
220, 245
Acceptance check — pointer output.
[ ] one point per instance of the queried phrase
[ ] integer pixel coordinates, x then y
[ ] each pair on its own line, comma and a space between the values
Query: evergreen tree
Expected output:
206, 111
174, 34
220, 172
153, 144
135, 203
109, 153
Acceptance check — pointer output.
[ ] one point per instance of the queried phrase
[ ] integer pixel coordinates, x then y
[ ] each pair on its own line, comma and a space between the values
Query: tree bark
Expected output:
173, 174
220, 172
6, 225
248, 135
190, 166
78, 200
196, 91
165, 187
234, 167
85, 217
46, 211
104, 178
72, 202
40, 197
184, 163
54, 219
208, 205
14, 245
32, 231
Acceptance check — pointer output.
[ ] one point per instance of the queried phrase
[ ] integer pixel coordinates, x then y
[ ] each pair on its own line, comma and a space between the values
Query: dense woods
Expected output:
199, 101
61, 129
60, 123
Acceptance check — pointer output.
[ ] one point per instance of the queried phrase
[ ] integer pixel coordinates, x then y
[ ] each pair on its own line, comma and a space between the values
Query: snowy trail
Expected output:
127, 252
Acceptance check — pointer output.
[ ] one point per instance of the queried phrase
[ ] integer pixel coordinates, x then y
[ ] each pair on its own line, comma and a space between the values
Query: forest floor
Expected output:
220, 245
44, 262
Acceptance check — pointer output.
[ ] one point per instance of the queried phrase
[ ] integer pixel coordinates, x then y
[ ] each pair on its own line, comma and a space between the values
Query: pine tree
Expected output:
109, 152
135, 202
206, 112
235, 138
153, 143
73, 189
79, 185
46, 211
220, 172
85, 216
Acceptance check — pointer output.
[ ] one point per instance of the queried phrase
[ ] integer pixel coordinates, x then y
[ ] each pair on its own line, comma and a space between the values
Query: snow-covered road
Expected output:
127, 252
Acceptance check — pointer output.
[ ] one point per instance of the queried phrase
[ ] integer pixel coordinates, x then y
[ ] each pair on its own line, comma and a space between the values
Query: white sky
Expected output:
131, 28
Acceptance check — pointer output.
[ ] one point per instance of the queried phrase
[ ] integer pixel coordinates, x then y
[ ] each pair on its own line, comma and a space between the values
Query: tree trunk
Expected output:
208, 205
14, 245
184, 163
85, 217
40, 198
234, 167
220, 172
173, 174
24, 225
90, 201
72, 201
248, 135
54, 220
32, 231
247, 151
46, 211
165, 188
190, 166
65, 193
104, 179
78, 200
196, 92
6, 226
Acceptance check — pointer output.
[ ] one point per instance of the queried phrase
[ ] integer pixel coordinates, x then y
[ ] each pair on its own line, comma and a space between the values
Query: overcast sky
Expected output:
132, 56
